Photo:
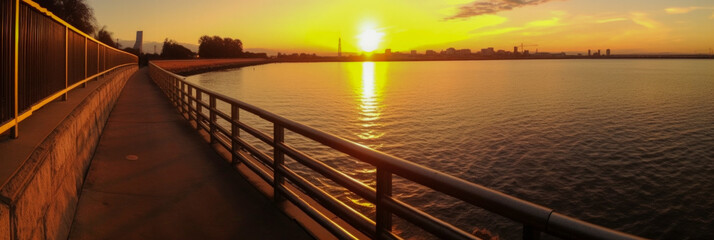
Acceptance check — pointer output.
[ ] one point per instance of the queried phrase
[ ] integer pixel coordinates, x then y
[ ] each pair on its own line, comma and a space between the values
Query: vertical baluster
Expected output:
97, 78
212, 117
175, 91
190, 103
66, 63
384, 189
84, 84
199, 108
278, 160
16, 52
235, 133
183, 97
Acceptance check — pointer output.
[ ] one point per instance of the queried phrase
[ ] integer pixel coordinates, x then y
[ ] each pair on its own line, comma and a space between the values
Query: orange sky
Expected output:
625, 26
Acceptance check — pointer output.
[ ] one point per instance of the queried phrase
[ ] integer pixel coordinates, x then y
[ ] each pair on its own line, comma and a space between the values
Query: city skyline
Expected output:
313, 26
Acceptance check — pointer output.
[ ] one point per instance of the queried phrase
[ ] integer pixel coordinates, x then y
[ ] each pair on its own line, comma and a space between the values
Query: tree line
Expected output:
209, 47
78, 14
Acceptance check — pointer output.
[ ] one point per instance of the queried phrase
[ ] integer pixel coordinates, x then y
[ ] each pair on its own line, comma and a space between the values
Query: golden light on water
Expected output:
369, 104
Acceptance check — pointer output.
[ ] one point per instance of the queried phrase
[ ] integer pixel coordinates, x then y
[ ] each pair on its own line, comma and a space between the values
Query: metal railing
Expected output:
43, 58
192, 101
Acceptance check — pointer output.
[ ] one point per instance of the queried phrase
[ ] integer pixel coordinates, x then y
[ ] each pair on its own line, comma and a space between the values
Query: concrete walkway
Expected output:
153, 177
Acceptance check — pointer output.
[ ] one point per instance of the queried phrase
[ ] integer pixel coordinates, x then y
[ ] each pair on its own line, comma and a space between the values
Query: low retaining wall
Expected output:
198, 66
39, 200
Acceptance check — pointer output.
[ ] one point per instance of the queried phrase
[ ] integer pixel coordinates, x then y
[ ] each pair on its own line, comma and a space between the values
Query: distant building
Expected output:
501, 52
450, 51
589, 52
607, 52
430, 52
139, 40
388, 51
339, 47
515, 49
463, 52
413, 52
488, 51
598, 52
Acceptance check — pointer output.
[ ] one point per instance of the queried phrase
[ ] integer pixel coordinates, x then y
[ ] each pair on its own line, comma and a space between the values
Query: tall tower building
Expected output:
515, 49
139, 40
339, 47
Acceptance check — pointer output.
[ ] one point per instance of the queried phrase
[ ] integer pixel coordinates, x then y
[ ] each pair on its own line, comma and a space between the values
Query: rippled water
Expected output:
628, 144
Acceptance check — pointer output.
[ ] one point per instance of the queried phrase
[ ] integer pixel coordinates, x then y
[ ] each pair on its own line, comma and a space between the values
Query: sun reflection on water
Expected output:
369, 105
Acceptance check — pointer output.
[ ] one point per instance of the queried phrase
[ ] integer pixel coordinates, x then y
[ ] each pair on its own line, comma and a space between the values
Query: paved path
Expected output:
153, 177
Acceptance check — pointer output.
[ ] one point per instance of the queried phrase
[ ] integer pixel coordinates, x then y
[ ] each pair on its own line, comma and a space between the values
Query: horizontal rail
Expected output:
535, 218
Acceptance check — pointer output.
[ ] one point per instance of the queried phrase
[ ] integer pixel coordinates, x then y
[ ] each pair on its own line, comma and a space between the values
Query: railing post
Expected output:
85, 63
212, 117
190, 103
16, 128
384, 190
97, 79
278, 161
235, 133
199, 108
530, 233
173, 89
66, 61
183, 97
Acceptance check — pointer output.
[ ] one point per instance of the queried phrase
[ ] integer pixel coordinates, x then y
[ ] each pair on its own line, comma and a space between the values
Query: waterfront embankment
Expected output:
152, 177
196, 66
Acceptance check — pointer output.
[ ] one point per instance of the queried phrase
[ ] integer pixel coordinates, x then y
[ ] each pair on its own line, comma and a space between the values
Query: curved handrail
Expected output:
530, 214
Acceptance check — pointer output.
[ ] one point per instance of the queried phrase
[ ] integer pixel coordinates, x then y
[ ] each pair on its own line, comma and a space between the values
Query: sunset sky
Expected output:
625, 26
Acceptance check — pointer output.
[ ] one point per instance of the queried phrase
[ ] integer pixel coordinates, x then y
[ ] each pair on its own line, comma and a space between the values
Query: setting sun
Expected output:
369, 40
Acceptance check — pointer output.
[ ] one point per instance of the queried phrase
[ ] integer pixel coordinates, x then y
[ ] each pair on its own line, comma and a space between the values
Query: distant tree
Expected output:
173, 50
75, 12
131, 50
106, 37
254, 55
217, 47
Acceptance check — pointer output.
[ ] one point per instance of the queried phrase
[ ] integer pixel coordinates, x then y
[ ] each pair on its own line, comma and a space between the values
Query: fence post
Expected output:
235, 133
85, 63
66, 61
278, 161
98, 45
16, 128
173, 91
199, 108
190, 103
384, 189
183, 97
212, 118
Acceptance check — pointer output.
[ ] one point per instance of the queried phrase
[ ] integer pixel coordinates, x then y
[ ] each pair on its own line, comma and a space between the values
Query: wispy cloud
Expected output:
482, 7
611, 20
537, 26
643, 20
680, 10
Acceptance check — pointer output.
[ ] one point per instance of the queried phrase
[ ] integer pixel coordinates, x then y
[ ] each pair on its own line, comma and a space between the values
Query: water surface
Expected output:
628, 144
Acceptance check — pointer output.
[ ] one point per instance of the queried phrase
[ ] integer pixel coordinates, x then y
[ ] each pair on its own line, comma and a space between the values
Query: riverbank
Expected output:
197, 66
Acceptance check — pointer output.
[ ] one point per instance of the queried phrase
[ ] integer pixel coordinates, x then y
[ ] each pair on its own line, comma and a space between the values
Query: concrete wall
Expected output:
39, 201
